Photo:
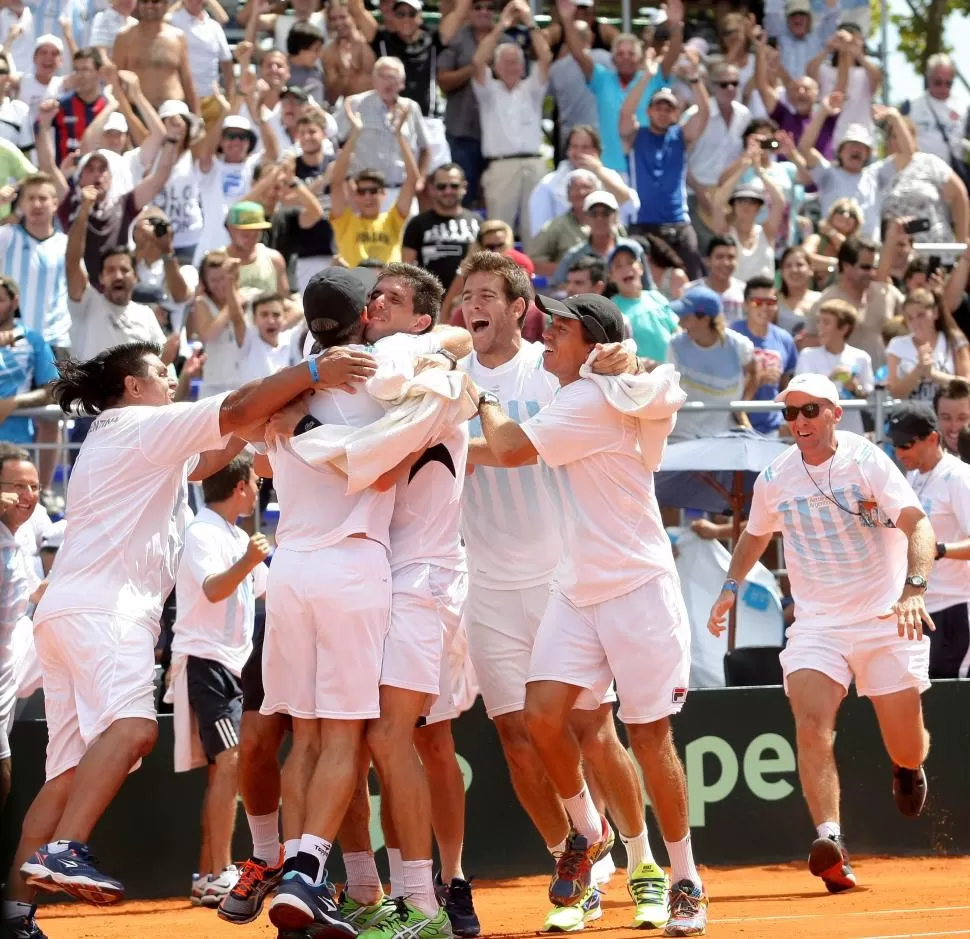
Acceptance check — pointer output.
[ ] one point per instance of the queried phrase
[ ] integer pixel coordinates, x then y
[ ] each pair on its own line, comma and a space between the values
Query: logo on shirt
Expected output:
439, 453
679, 695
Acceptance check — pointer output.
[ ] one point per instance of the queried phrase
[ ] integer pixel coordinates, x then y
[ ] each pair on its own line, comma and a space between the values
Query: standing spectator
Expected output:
261, 270
952, 406
736, 208
660, 153
567, 230
269, 345
510, 107
799, 38
79, 108
774, 349
109, 22
586, 275
347, 59
439, 238
843, 221
304, 45
157, 266
722, 262
848, 367
940, 125
217, 319
45, 81
795, 296
17, 32
255, 19
601, 234
210, 60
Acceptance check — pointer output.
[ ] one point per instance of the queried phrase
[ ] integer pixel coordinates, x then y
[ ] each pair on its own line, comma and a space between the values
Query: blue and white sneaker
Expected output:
72, 871
299, 905
22, 927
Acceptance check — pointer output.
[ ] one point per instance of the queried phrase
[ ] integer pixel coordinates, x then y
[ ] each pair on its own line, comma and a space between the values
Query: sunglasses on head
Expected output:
367, 191
441, 187
810, 410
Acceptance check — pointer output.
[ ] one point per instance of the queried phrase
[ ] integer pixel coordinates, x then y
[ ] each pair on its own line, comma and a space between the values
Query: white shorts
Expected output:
641, 638
327, 614
872, 652
98, 668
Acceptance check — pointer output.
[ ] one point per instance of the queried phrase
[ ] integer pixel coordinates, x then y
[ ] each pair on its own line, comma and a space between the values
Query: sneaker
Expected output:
688, 910
573, 876
22, 927
244, 902
603, 871
220, 887
408, 922
574, 918
198, 888
299, 905
648, 886
829, 860
363, 915
456, 898
73, 872
909, 790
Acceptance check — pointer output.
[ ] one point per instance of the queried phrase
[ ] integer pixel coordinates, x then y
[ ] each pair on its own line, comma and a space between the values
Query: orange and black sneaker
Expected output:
244, 902
574, 866
829, 860
909, 790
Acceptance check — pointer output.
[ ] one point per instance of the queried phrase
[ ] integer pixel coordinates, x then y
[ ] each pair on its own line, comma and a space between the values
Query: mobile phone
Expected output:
916, 226
769, 144
772, 42
933, 265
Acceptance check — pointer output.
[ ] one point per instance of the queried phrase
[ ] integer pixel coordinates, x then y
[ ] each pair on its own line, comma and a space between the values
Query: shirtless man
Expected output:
347, 59
158, 53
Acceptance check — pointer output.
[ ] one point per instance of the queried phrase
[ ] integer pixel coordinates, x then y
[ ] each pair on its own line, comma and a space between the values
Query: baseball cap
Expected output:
664, 94
116, 121
813, 385
175, 108
912, 420
600, 197
236, 122
625, 244
49, 39
601, 317
798, 6
249, 216
857, 133
413, 4
698, 301
88, 157
748, 191
295, 91
336, 297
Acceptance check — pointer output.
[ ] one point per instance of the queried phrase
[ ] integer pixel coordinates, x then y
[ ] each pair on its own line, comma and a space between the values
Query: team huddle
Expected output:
440, 485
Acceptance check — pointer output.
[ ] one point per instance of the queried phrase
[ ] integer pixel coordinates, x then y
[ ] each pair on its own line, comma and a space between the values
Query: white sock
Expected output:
291, 848
419, 886
55, 847
265, 830
395, 863
584, 815
637, 851
682, 862
318, 848
363, 882
14, 908
829, 830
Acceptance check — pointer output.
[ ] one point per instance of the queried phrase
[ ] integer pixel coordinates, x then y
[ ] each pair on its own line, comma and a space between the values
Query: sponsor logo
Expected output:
679, 695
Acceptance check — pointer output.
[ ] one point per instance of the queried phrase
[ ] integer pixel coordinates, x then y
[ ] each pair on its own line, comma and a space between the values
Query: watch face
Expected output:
916, 581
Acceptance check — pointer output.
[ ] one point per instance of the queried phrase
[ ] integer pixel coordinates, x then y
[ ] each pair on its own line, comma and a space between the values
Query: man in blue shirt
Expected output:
26, 367
774, 349
660, 152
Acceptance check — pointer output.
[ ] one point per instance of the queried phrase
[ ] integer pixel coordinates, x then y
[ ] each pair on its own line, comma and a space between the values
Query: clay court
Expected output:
896, 898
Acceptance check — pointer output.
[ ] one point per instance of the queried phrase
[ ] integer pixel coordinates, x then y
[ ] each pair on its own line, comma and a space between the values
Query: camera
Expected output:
160, 226
769, 144
916, 226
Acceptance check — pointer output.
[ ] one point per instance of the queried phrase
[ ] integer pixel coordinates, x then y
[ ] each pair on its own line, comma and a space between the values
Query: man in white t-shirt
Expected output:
617, 563
942, 483
98, 622
850, 521
45, 81
220, 576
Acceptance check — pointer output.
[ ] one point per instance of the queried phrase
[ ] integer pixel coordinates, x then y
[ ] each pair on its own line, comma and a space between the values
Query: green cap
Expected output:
247, 215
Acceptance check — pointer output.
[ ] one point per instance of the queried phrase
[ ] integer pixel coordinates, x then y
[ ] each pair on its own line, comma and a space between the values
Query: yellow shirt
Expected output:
361, 238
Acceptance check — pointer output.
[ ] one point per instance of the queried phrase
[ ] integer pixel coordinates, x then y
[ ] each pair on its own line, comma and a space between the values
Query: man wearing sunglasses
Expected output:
941, 124
859, 550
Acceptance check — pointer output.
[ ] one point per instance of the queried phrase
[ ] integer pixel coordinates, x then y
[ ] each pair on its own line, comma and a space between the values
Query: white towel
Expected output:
653, 399
189, 752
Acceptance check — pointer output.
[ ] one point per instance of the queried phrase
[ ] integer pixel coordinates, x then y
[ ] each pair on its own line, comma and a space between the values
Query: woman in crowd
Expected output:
843, 221
864, 77
795, 296
218, 321
667, 271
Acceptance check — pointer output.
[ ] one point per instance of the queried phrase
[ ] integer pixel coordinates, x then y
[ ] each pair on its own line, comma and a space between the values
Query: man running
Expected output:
851, 523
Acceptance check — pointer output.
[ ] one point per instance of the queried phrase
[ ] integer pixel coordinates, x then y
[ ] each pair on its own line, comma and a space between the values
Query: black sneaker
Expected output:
22, 927
302, 906
456, 898
829, 859
909, 790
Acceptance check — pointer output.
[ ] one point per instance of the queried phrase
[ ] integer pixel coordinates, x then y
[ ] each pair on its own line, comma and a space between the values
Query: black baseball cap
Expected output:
601, 317
912, 420
336, 297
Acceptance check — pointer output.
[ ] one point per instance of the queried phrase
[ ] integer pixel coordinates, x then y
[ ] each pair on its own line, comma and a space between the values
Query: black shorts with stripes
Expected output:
216, 697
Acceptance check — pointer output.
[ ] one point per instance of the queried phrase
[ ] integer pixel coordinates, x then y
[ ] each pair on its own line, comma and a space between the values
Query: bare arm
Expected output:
958, 282
411, 172
44, 144
675, 23
505, 438
695, 126
905, 143
769, 97
338, 194
574, 42
228, 78
211, 461
830, 106
723, 193
955, 196
540, 45
363, 18
486, 49
218, 587
631, 105
776, 208
153, 184
77, 236
746, 553
451, 22
215, 10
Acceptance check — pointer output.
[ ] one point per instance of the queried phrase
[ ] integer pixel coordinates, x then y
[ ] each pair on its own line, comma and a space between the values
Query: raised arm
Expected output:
44, 144
363, 18
77, 236
831, 105
574, 42
486, 48
540, 45
152, 126
185, 76
776, 206
724, 191
905, 144
698, 121
155, 181
338, 180
769, 97
631, 105
411, 172
451, 22
675, 23
958, 282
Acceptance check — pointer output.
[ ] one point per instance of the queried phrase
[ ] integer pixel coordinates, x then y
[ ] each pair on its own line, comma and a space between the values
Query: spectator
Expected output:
843, 221
651, 319
210, 60
347, 59
583, 150
156, 264
736, 31
14, 166
897, 252
852, 74
77, 109
875, 303
439, 238
261, 270
45, 81
586, 275
722, 262
934, 352
568, 229
510, 107
26, 368
313, 168
274, 73
109, 22
364, 231
304, 45
736, 206
716, 364
600, 212
850, 368
940, 125
254, 18
14, 113
269, 346
795, 298
115, 136
952, 406
774, 349
665, 269
586, 14
799, 38
218, 320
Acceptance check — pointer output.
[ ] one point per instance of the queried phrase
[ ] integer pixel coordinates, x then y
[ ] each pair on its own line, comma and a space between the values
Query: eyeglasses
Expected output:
441, 187
369, 191
942, 81
763, 301
494, 246
811, 411
21, 487
728, 84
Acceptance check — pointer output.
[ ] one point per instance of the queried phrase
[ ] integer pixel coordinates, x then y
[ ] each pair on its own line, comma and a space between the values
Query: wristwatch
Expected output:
917, 581
486, 397
452, 359
940, 550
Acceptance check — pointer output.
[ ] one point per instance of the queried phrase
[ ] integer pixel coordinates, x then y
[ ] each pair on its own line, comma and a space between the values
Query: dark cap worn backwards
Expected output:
335, 298
912, 420
601, 317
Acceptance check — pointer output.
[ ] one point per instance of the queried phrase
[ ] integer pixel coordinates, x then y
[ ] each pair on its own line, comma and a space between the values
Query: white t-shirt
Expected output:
511, 518
223, 360
615, 538
15, 126
851, 361
14, 597
126, 511
224, 185
21, 50
33, 92
208, 48
220, 631
904, 349
258, 359
180, 199
97, 324
860, 559
944, 493
106, 25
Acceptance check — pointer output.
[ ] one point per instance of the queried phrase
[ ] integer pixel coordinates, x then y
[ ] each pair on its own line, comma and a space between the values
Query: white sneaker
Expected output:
198, 888
602, 871
220, 887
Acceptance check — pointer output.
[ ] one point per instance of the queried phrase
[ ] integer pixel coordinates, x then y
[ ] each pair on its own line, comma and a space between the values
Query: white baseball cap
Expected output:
116, 121
600, 197
813, 385
49, 39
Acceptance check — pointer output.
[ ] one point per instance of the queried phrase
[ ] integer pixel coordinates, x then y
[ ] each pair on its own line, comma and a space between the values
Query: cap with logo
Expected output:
248, 216
912, 420
698, 301
601, 317
600, 197
336, 297
813, 385
629, 246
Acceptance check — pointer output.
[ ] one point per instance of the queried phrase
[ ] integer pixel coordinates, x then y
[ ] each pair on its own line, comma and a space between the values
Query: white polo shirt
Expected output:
720, 144
511, 119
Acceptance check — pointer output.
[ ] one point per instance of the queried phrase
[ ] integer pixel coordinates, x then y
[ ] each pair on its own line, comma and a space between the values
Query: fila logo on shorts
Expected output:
679, 695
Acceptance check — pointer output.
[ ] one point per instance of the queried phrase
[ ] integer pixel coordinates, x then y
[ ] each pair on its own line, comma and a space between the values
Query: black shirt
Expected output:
314, 241
420, 64
441, 241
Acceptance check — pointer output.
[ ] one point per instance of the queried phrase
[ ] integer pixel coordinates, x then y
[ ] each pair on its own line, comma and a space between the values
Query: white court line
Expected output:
831, 914
913, 935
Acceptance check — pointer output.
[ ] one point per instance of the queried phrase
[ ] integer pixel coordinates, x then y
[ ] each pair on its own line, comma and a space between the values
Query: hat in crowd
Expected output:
628, 245
857, 133
912, 420
664, 94
88, 157
295, 91
754, 191
600, 197
601, 317
149, 294
522, 260
175, 108
813, 385
249, 216
49, 39
698, 301
116, 121
239, 123
336, 297
798, 6
413, 4
583, 3
700, 44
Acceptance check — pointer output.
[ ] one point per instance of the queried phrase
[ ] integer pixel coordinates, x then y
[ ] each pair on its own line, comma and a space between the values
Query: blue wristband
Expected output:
314, 371
731, 585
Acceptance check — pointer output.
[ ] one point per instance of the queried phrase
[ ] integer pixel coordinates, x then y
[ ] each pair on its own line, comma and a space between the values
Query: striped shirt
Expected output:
38, 267
72, 120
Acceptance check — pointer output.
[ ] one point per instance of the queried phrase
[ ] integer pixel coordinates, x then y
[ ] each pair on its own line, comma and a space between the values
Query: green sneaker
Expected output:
363, 915
648, 885
404, 921
574, 918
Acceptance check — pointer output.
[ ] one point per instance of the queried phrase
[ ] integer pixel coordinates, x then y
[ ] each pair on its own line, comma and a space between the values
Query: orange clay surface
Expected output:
896, 898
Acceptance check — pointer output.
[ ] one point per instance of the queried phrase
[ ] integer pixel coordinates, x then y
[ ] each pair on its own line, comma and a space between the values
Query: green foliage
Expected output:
920, 34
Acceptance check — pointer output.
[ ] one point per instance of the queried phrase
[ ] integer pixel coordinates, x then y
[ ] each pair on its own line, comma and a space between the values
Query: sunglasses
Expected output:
235, 135
763, 301
942, 81
4, 71
369, 191
407, 14
811, 411
441, 187
728, 84
600, 211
